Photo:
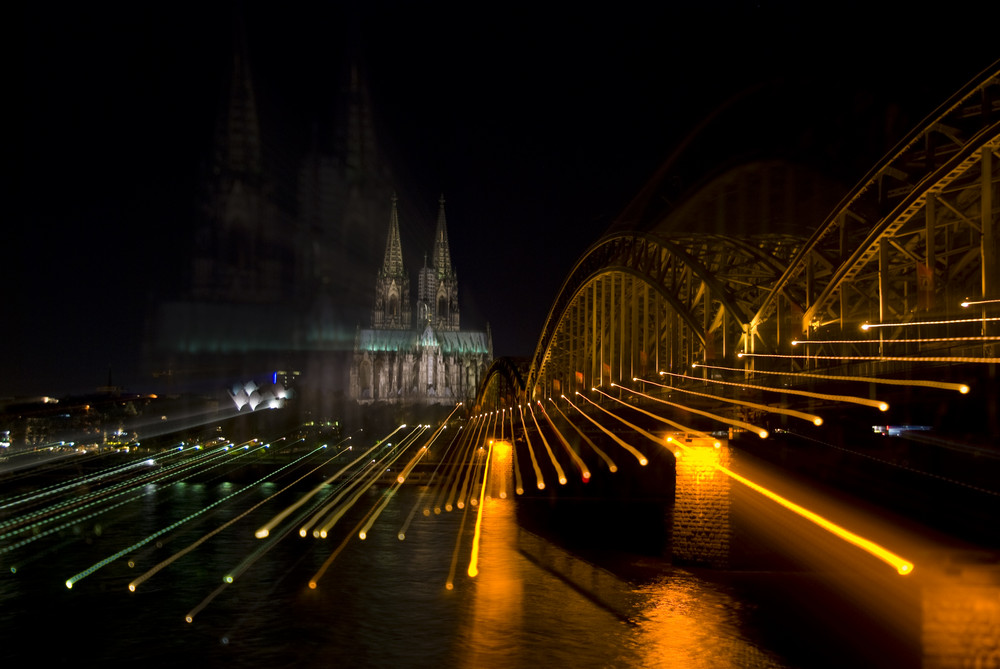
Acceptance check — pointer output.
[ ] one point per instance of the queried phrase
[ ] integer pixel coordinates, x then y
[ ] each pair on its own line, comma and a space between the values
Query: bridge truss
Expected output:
900, 254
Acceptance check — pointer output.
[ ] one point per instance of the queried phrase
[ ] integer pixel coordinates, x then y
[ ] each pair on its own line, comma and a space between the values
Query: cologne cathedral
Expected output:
286, 244
428, 359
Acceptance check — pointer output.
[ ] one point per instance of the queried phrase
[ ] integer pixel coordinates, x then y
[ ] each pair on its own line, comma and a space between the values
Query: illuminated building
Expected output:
430, 360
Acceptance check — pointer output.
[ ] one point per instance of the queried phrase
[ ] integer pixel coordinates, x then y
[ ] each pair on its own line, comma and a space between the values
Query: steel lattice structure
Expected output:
914, 239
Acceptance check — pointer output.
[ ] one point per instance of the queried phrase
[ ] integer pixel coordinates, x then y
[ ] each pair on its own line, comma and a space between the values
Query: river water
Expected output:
383, 602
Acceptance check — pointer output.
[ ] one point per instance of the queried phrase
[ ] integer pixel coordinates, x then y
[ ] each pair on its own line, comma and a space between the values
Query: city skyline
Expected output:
537, 134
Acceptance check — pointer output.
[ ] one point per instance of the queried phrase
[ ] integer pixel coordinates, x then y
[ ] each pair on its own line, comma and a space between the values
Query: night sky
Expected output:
537, 124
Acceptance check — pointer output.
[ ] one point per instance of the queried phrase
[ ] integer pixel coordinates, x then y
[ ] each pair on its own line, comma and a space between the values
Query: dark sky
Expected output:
539, 124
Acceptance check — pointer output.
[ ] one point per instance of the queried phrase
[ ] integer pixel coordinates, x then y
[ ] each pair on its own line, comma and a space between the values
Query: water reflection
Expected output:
534, 603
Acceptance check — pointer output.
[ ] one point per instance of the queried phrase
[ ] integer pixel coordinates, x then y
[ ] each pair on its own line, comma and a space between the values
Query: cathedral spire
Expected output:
445, 303
392, 288
393, 263
442, 254
237, 141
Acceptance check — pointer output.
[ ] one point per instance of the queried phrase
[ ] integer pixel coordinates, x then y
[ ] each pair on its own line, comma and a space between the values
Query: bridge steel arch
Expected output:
915, 237
636, 303
502, 385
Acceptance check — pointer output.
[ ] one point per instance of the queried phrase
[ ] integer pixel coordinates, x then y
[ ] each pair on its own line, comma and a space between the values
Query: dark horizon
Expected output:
538, 133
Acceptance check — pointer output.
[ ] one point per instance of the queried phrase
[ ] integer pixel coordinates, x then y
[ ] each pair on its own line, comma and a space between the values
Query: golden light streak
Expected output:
648, 435
631, 449
518, 486
463, 455
868, 326
960, 387
612, 467
423, 492
881, 358
881, 406
577, 460
356, 479
467, 479
903, 567
378, 470
796, 342
552, 456
761, 432
812, 418
969, 303
683, 428
450, 583
531, 451
474, 558
265, 529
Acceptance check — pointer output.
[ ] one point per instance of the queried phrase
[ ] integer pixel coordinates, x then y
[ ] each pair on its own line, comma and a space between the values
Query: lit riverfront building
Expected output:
428, 359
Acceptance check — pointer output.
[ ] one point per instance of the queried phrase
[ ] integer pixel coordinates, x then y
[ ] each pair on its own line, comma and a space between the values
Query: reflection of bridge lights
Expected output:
812, 418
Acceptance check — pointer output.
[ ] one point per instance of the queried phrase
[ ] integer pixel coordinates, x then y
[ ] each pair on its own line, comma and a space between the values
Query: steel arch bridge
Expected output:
910, 255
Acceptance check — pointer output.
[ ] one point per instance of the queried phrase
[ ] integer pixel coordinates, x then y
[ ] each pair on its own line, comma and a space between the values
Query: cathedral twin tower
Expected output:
431, 360
437, 285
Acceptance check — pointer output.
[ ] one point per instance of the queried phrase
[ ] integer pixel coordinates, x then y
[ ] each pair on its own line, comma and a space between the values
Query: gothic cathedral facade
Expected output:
428, 359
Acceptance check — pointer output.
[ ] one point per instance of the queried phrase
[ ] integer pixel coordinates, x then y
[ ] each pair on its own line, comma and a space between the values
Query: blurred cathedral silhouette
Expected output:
284, 266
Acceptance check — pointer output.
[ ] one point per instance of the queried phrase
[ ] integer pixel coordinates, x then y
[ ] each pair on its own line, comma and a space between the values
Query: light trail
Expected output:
796, 342
612, 467
631, 449
247, 562
881, 406
545, 442
903, 567
464, 455
81, 480
474, 449
473, 570
880, 358
869, 326
960, 387
265, 529
314, 581
375, 473
424, 490
812, 418
81, 504
969, 303
108, 560
683, 428
531, 451
459, 441
450, 583
649, 435
181, 553
761, 432
577, 460
518, 486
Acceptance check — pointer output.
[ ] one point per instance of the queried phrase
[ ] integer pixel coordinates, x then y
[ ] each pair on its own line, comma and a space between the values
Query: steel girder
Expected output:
911, 241
638, 301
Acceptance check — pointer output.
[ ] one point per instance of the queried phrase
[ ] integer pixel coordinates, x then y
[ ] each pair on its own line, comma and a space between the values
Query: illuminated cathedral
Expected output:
428, 359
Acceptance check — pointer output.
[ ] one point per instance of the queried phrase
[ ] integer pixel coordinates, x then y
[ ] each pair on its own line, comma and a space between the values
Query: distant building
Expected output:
427, 360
